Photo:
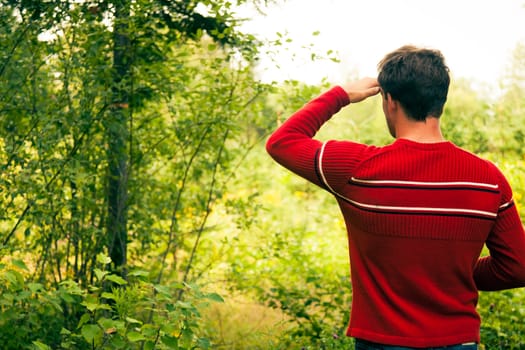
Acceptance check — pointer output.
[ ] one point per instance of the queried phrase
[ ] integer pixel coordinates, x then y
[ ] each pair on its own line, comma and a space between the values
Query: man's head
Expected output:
417, 78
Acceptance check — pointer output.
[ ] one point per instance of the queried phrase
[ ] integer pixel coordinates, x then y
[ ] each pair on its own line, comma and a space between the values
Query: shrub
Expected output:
113, 313
502, 315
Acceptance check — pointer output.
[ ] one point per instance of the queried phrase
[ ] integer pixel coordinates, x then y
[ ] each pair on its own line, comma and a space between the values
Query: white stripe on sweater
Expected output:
423, 183
407, 209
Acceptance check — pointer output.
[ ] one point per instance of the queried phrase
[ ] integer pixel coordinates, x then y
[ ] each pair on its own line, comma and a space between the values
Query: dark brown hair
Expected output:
418, 78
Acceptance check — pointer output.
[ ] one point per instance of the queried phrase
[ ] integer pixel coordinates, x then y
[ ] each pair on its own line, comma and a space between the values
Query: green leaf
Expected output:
139, 273
204, 343
215, 297
184, 305
84, 319
187, 336
100, 274
90, 306
163, 290
95, 305
91, 332
178, 285
132, 320
170, 327
107, 323
103, 259
35, 287
15, 278
149, 345
118, 342
20, 264
71, 287
149, 330
170, 342
41, 346
135, 336
116, 279
67, 298
107, 295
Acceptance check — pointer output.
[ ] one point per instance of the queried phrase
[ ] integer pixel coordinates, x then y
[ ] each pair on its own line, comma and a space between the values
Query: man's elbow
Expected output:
516, 273
494, 275
272, 146
519, 275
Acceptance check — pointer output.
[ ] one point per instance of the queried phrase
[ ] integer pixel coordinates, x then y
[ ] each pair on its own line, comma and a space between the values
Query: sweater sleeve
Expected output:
504, 268
292, 144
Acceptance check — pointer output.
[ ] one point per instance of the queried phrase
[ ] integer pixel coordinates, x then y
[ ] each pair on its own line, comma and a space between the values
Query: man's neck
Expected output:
427, 131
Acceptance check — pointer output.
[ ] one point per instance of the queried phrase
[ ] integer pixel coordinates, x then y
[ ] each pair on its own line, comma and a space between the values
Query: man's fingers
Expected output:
360, 95
361, 89
374, 91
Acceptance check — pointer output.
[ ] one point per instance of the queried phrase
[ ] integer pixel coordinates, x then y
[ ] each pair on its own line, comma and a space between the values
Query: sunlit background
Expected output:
476, 37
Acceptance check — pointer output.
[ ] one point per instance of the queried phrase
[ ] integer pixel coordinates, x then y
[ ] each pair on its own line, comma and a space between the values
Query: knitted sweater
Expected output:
417, 218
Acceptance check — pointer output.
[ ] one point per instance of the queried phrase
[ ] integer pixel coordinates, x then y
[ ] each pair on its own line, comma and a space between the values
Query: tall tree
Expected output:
109, 78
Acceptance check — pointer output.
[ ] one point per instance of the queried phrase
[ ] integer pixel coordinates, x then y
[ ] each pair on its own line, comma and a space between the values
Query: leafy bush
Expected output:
110, 314
502, 316
27, 311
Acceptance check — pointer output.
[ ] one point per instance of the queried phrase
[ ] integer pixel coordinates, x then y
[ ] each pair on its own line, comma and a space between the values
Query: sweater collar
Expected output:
425, 146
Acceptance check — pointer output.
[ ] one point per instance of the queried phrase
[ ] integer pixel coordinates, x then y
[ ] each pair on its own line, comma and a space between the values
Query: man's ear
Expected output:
391, 103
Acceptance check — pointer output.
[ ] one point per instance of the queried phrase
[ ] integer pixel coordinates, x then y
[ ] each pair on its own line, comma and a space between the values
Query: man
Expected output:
418, 211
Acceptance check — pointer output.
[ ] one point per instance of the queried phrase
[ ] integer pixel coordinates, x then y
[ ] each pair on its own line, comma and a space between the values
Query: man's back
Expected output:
417, 217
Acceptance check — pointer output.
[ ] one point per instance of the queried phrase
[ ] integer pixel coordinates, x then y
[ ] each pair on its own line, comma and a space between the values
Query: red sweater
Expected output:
417, 217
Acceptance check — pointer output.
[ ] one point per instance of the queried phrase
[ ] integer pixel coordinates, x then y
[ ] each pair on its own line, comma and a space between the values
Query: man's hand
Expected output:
361, 89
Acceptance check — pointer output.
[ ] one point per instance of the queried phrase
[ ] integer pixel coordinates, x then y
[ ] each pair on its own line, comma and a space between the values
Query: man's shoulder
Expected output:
468, 154
483, 165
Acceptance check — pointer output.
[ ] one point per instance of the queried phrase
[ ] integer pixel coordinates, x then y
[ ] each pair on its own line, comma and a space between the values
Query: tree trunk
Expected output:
117, 132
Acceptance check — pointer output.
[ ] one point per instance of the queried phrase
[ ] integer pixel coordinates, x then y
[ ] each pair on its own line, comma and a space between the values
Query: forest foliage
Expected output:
138, 209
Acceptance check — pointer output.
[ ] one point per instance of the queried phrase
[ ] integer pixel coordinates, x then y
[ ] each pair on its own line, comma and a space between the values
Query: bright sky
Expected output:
476, 37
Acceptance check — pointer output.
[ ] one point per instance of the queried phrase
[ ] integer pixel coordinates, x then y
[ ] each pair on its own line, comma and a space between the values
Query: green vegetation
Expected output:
139, 209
